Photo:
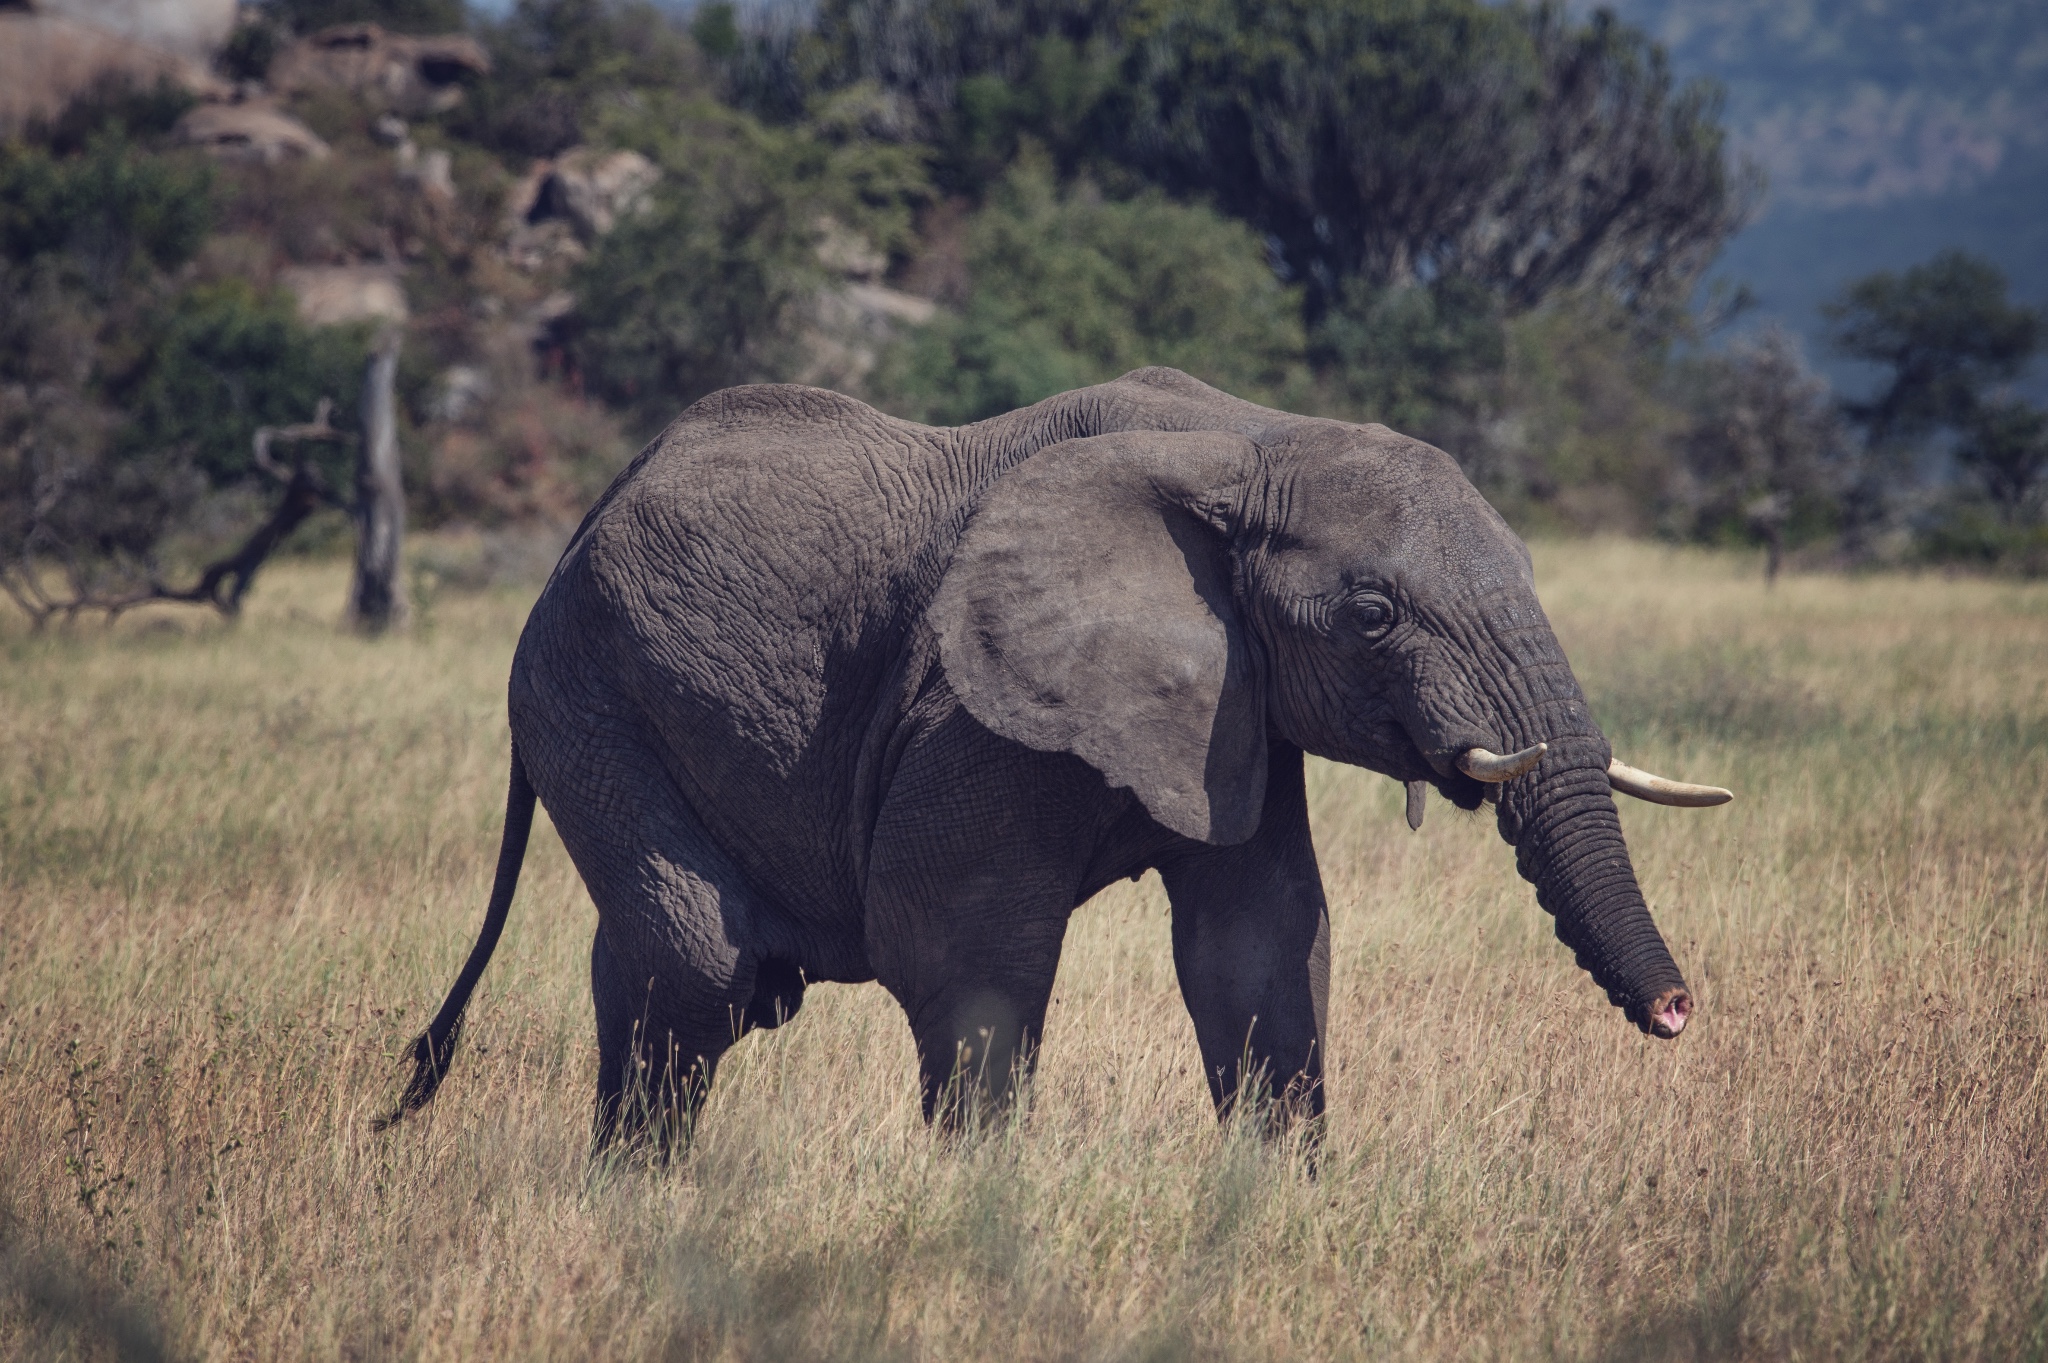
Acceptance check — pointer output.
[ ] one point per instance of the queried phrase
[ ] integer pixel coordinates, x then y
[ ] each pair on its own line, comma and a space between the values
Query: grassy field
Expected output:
238, 869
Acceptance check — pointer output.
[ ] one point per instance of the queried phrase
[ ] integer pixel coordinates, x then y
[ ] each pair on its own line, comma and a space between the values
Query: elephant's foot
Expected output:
976, 1058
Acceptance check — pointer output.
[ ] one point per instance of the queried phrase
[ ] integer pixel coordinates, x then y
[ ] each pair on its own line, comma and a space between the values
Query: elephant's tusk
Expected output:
1492, 768
1660, 791
1418, 803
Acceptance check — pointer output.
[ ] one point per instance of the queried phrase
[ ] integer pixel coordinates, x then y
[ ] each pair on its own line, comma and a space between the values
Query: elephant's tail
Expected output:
435, 1047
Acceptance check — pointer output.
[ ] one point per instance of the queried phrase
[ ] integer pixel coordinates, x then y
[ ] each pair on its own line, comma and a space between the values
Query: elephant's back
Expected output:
745, 586
766, 528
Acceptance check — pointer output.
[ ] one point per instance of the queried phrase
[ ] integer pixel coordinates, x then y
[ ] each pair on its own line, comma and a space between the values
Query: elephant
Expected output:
817, 694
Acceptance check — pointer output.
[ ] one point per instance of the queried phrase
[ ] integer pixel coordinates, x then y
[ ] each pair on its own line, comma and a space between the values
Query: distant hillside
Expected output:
1889, 128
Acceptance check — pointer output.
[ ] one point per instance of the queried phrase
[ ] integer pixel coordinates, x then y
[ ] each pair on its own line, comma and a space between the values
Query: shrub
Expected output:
1763, 456
711, 284
1070, 289
109, 210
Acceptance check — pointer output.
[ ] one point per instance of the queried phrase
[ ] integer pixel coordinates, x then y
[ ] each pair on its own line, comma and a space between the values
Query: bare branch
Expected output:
222, 583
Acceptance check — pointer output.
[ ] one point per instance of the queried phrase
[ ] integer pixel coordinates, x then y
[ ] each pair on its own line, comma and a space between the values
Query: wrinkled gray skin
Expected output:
816, 694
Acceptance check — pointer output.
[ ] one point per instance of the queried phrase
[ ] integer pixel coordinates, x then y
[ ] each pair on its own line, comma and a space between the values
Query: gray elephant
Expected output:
817, 694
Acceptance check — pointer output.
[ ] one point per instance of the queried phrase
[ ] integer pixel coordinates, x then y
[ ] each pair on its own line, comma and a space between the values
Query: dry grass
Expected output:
238, 869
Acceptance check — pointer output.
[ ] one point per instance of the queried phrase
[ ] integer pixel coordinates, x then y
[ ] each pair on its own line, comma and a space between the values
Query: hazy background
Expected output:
1890, 129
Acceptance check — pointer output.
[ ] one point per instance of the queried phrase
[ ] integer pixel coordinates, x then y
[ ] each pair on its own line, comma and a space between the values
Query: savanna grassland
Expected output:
238, 868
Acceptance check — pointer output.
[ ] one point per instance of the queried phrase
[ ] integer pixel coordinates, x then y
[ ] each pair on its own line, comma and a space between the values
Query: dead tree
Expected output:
376, 601
222, 583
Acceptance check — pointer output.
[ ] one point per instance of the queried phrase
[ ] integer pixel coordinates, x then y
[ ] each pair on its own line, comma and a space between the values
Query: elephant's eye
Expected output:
1369, 614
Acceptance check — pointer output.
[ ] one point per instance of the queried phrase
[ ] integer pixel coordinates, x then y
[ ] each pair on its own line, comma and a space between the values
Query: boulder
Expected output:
47, 60
846, 252
191, 30
586, 188
850, 327
561, 206
414, 75
333, 294
250, 131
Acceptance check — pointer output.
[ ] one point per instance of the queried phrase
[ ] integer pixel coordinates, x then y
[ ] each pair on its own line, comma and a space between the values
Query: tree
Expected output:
974, 78
1403, 140
558, 66
1948, 338
1765, 452
133, 388
1388, 141
105, 214
2005, 443
1945, 331
1072, 289
376, 599
1408, 356
117, 462
711, 282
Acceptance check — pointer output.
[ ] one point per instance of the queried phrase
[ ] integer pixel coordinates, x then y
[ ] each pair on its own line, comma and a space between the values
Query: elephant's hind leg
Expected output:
652, 1074
681, 966
651, 1080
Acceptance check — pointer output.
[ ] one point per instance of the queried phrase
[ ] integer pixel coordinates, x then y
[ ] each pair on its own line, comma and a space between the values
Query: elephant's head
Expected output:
1166, 605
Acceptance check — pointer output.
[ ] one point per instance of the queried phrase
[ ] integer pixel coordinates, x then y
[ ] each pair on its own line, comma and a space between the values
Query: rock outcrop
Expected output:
253, 130
47, 60
560, 207
329, 295
411, 75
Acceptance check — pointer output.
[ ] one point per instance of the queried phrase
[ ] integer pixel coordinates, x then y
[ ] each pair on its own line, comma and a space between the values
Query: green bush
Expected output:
712, 283
1071, 289
128, 430
558, 67
224, 358
1416, 356
1966, 533
111, 209
116, 105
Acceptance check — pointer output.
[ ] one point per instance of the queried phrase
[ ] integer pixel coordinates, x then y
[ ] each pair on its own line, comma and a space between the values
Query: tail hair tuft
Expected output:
430, 1062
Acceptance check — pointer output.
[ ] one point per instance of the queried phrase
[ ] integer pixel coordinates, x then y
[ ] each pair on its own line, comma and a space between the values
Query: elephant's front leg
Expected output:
977, 857
1251, 944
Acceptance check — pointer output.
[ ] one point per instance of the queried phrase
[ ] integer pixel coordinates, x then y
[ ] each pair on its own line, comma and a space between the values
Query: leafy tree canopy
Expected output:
1764, 455
1406, 355
2006, 446
1392, 141
1945, 331
558, 66
219, 360
710, 284
109, 210
1072, 289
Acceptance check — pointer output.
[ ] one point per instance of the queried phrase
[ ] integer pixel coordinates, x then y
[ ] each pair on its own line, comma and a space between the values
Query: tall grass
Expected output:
238, 868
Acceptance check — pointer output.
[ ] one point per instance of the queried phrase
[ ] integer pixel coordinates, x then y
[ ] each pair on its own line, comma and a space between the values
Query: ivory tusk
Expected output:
1660, 791
1418, 803
1492, 768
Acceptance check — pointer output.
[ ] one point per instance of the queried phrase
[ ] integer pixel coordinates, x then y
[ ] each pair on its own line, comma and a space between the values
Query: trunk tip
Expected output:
1669, 1013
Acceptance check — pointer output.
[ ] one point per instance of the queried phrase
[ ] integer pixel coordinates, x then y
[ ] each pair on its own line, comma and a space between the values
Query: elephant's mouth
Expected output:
1384, 745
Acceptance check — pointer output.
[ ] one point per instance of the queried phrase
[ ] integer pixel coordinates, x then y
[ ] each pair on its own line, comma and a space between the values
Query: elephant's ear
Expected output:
1089, 609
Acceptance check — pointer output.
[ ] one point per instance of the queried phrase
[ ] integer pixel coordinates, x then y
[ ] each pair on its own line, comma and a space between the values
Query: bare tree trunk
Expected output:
376, 600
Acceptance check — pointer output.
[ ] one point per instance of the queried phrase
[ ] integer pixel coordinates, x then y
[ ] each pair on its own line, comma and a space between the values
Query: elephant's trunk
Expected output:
1567, 838
1559, 814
